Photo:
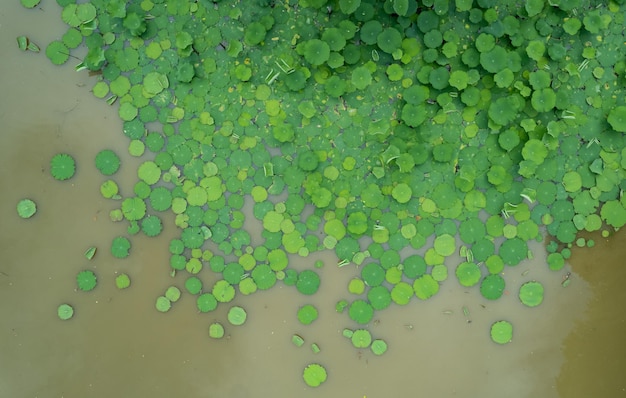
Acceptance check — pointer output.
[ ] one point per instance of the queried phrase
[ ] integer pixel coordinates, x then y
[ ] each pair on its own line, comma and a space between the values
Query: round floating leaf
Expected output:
402, 193
379, 297
307, 314
425, 287
57, 52
237, 316
389, 40
151, 225
62, 166
468, 273
263, 276
308, 282
617, 118
122, 281
86, 280
26, 208
513, 251
379, 347
65, 312
401, 293
223, 291
316, 52
492, 287
314, 375
531, 294
120, 247
361, 338
163, 304
373, 274
216, 330
501, 332
193, 284
107, 162
206, 302
133, 208
361, 312
445, 245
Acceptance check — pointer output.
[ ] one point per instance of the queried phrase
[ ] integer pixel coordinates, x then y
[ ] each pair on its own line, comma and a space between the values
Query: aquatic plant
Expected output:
26, 208
472, 125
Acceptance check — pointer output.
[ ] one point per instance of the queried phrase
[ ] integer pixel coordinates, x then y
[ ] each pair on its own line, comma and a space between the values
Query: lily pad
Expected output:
65, 312
314, 375
26, 208
501, 332
62, 166
86, 280
531, 294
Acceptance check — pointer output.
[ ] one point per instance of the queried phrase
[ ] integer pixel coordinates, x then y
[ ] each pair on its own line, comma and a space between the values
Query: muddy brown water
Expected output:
117, 344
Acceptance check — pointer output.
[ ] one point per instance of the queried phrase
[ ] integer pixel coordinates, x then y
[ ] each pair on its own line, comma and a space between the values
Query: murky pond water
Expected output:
117, 344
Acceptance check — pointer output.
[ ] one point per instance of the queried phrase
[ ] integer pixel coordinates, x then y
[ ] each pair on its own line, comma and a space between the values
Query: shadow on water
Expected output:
117, 344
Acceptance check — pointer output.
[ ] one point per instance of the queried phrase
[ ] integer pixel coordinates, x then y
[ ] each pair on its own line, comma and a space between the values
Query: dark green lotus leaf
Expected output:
361, 312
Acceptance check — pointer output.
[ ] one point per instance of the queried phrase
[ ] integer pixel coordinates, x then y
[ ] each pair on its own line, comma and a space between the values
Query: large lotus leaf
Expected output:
389, 40
471, 230
492, 287
513, 251
494, 60
316, 52
425, 287
543, 100
613, 213
535, 151
617, 118
503, 110
468, 273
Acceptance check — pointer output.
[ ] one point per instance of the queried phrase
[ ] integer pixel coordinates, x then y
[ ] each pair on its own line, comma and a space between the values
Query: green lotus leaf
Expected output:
334, 38
513, 251
531, 294
307, 314
107, 162
613, 213
543, 100
316, 52
389, 40
26, 208
64, 311
308, 282
361, 77
379, 297
501, 332
494, 60
472, 230
413, 115
425, 287
373, 274
468, 273
255, 33
535, 49
120, 247
62, 166
416, 94
402, 193
133, 208
401, 293
361, 312
315, 374
151, 225
216, 330
503, 110
492, 287
149, 172
617, 118
237, 315
57, 52
361, 338
369, 31
86, 280
535, 151
163, 304
263, 276
122, 281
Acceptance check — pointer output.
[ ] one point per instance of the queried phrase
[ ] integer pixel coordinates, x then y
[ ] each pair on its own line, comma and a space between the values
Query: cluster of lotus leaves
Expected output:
364, 127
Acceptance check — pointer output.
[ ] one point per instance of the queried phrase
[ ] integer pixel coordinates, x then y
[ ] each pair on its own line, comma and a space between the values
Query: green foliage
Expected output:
62, 166
400, 125
86, 280
26, 208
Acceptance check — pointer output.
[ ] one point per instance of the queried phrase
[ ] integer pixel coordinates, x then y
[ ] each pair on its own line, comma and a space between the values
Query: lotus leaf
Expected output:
361, 312
315, 374
501, 332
